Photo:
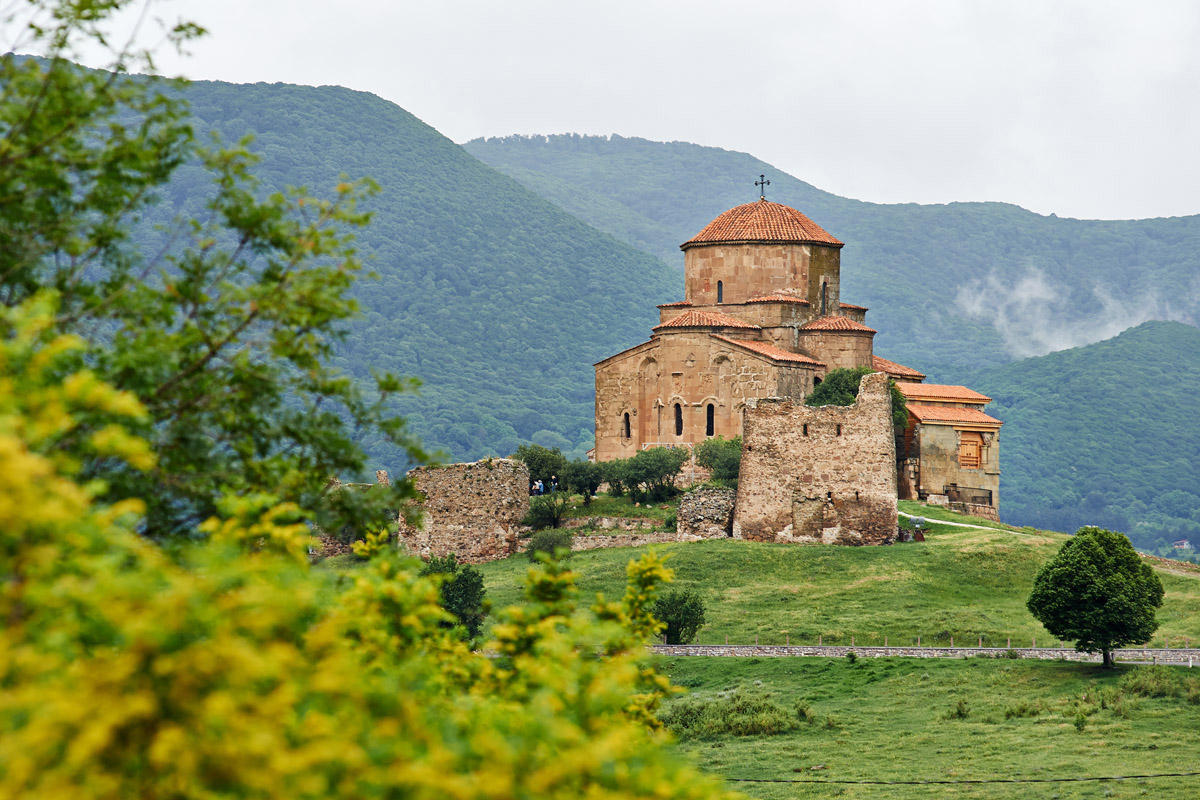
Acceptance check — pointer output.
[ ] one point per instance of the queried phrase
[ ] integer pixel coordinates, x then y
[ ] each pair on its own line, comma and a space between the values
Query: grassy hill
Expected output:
961, 582
899, 720
498, 300
951, 287
1104, 434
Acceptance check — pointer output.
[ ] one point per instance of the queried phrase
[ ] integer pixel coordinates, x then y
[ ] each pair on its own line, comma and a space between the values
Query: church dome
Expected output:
762, 222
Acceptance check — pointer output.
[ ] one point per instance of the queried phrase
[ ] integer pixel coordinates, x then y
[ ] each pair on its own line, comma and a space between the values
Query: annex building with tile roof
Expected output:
762, 317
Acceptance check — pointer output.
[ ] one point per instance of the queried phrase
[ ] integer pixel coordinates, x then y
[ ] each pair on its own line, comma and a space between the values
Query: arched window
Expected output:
678, 420
710, 423
816, 382
839, 430
804, 431
720, 291
824, 298
627, 433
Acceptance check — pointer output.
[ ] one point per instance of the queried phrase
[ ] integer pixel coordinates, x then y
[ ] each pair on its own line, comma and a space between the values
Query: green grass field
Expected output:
960, 582
897, 719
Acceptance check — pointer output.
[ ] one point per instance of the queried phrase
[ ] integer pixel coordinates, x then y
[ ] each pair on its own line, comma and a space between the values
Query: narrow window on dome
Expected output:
678, 420
824, 298
710, 424
805, 432
839, 430
627, 434
720, 292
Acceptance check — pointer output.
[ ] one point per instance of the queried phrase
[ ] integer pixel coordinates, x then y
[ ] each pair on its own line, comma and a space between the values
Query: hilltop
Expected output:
961, 582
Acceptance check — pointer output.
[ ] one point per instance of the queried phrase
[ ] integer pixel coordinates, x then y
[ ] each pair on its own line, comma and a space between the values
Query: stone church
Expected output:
762, 317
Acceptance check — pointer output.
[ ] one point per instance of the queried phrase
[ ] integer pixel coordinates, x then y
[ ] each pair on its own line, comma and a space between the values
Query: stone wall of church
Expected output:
471, 510
750, 270
694, 370
939, 467
838, 349
819, 475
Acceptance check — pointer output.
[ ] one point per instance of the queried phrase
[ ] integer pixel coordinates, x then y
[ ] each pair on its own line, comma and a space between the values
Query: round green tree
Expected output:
682, 611
1098, 592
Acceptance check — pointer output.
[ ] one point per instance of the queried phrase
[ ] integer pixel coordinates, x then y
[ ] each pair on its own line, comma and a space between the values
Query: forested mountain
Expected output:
952, 288
499, 301
1105, 434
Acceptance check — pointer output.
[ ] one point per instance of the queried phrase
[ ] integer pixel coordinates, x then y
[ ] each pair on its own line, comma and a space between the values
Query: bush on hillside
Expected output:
739, 712
550, 542
241, 674
582, 477
461, 591
682, 611
547, 510
723, 457
545, 464
651, 473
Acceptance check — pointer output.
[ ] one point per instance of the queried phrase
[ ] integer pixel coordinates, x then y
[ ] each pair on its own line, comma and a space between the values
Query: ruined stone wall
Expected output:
838, 349
819, 475
706, 512
471, 510
939, 467
691, 368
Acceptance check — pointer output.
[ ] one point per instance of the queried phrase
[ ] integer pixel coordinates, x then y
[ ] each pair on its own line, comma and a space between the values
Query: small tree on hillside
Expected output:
544, 463
1098, 592
722, 456
583, 477
682, 611
651, 473
462, 592
840, 388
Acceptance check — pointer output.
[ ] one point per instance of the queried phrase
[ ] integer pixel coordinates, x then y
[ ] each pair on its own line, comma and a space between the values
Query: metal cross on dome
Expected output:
762, 183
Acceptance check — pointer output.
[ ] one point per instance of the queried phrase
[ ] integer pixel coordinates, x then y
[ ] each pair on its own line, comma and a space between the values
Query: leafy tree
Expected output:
583, 477
1098, 592
616, 475
548, 542
840, 388
651, 473
722, 456
224, 329
243, 675
544, 463
462, 592
682, 611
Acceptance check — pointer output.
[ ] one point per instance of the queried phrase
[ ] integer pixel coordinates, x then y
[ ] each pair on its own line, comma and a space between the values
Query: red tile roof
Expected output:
854, 307
762, 221
705, 319
773, 352
778, 297
939, 393
896, 370
676, 304
836, 324
951, 414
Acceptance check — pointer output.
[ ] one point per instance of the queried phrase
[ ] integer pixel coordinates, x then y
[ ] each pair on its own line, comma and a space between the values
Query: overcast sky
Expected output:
1084, 109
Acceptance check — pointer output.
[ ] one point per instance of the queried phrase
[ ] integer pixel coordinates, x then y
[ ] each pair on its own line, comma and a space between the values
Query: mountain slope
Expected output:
1104, 434
952, 288
498, 300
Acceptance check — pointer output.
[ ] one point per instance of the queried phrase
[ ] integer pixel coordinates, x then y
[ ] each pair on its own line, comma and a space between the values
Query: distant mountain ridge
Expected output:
1104, 434
952, 288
